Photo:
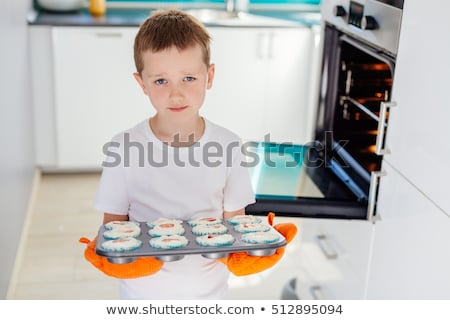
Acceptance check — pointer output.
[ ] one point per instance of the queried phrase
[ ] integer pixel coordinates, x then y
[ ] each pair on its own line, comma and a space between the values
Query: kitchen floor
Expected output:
51, 265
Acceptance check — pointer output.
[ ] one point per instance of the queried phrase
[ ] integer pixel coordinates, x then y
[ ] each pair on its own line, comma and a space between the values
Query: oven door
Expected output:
336, 176
298, 181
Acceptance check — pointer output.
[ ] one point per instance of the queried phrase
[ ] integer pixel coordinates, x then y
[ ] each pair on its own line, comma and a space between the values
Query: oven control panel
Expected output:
356, 16
374, 21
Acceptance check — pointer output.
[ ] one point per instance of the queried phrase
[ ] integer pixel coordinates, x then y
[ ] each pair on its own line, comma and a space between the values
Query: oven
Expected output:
337, 174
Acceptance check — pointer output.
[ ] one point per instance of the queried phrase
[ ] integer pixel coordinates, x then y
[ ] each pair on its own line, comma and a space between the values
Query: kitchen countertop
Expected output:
134, 17
112, 17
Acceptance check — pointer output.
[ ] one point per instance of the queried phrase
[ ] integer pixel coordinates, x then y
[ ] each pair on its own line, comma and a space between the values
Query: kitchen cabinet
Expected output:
418, 126
411, 256
263, 83
96, 95
83, 93
333, 259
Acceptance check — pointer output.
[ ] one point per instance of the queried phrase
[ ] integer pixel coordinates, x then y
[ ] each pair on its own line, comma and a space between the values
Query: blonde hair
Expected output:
167, 28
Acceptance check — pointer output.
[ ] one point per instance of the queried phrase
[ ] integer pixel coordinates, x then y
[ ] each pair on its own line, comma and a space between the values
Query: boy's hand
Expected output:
242, 264
141, 267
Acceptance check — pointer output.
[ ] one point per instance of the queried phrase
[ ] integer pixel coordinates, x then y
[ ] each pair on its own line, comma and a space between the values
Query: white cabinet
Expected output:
96, 95
418, 126
411, 256
263, 82
333, 259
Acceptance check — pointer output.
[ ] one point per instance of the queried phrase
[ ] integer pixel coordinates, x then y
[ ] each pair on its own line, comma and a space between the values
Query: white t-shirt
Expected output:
147, 179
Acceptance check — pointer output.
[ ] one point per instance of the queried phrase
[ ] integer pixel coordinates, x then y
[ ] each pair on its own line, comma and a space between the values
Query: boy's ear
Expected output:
211, 71
139, 80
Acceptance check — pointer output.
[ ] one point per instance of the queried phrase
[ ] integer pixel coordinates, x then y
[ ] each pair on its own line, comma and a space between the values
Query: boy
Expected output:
174, 165
172, 58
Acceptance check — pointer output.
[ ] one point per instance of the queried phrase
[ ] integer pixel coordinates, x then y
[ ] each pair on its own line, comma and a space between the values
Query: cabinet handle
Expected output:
264, 46
109, 34
373, 192
316, 292
384, 106
260, 46
271, 45
326, 248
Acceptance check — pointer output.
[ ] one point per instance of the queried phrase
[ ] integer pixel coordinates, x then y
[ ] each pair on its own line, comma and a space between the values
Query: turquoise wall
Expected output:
286, 2
313, 2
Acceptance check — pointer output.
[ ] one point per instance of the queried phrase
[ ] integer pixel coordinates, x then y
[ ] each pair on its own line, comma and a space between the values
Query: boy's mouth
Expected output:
177, 109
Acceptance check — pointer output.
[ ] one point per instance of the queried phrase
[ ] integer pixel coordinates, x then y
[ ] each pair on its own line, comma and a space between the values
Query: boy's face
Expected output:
175, 81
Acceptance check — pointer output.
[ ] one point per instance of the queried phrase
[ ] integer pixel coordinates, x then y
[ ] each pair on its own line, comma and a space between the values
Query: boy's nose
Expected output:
176, 91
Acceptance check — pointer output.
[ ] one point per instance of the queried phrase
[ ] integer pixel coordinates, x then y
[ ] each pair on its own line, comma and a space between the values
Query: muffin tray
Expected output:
192, 247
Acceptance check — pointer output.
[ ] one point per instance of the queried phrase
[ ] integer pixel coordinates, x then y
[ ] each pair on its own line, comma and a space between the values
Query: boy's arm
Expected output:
108, 217
229, 214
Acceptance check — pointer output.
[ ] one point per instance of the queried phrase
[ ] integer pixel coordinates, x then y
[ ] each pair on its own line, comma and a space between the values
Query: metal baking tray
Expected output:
168, 255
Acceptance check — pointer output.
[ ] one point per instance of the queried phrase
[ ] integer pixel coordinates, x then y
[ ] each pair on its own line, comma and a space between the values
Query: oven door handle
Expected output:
373, 192
382, 125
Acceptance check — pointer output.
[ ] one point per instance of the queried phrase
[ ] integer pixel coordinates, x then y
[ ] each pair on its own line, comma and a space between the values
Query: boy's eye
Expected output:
160, 81
189, 79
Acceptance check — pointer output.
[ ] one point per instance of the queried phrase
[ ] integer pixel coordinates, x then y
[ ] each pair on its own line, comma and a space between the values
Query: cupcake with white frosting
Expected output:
260, 237
166, 229
215, 240
239, 219
122, 244
200, 230
169, 242
251, 227
204, 221
152, 224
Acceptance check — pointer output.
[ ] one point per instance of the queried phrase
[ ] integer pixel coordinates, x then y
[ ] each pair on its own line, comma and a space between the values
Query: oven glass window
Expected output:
364, 83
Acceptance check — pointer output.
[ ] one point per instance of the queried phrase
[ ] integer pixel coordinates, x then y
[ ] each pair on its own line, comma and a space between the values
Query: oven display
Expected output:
355, 14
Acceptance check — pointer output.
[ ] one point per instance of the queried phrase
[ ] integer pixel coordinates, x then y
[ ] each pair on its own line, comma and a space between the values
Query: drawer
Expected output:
346, 241
329, 281
333, 259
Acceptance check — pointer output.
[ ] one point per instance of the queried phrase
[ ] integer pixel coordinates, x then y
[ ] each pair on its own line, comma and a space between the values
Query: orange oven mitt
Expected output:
242, 264
140, 267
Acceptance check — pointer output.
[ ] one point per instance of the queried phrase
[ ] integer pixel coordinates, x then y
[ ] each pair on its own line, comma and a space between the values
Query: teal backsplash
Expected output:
309, 2
255, 2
